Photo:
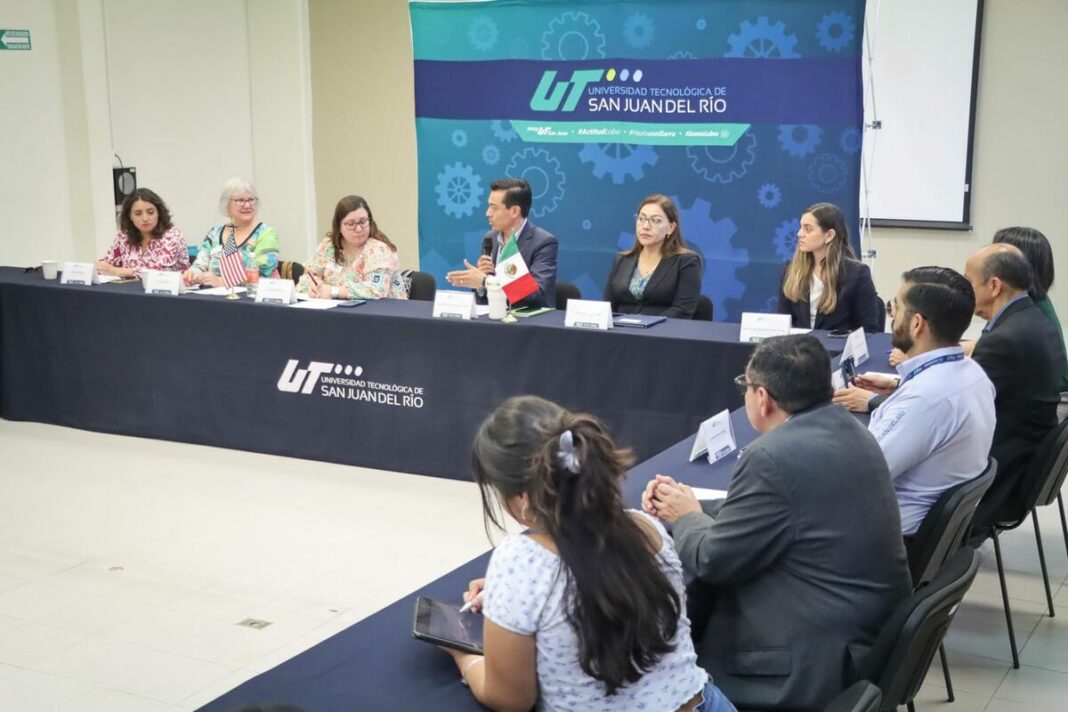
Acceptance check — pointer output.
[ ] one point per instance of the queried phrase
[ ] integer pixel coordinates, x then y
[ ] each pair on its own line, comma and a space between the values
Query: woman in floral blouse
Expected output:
355, 261
257, 243
147, 239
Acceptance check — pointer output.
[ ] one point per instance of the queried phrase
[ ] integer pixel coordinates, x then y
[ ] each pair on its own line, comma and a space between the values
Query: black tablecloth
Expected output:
204, 370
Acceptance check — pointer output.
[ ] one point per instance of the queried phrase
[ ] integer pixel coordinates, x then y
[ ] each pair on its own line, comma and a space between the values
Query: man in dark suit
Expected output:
507, 209
803, 562
1022, 354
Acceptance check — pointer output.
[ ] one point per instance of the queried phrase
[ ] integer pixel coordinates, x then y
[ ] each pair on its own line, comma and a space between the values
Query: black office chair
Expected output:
705, 309
942, 533
422, 285
861, 696
565, 291
291, 270
902, 653
881, 306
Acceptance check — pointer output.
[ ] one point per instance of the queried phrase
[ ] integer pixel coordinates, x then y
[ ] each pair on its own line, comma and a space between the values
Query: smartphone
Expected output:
442, 623
849, 372
351, 303
839, 333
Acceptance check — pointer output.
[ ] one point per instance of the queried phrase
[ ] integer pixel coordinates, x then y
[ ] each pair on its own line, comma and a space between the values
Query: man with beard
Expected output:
937, 422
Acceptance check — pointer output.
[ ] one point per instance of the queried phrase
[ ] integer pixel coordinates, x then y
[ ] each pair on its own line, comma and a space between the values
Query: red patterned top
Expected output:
168, 252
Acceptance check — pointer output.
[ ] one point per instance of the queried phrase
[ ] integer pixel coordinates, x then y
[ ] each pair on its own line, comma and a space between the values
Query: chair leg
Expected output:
945, 672
1005, 600
1064, 523
1042, 562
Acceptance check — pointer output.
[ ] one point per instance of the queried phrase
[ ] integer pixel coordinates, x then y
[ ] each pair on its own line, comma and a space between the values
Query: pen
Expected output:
467, 606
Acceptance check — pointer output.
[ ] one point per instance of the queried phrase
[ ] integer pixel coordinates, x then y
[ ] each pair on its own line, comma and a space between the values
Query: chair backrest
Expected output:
1047, 469
881, 306
565, 291
291, 270
705, 309
423, 286
947, 522
861, 696
908, 641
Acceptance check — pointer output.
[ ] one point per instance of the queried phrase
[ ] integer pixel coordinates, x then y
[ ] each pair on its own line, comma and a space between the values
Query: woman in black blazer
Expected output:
659, 275
825, 267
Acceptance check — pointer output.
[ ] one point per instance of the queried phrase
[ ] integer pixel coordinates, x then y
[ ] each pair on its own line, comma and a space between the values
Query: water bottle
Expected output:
498, 305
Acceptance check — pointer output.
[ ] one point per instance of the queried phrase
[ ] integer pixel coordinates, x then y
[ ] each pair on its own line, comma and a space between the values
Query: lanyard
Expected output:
933, 362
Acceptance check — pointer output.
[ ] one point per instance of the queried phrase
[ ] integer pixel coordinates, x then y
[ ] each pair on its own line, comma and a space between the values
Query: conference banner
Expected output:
744, 112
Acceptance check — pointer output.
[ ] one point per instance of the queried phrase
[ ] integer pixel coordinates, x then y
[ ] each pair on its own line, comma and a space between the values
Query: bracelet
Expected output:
467, 668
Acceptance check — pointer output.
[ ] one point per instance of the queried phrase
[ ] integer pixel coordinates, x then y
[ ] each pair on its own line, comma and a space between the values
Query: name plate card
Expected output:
276, 291
454, 305
757, 326
78, 273
588, 314
856, 347
161, 282
715, 437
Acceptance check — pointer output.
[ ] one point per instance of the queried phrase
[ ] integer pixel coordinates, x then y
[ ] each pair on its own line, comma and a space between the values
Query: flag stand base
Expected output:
509, 318
232, 296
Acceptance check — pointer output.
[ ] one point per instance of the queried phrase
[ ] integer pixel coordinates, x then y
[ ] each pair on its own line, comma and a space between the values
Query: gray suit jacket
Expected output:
800, 566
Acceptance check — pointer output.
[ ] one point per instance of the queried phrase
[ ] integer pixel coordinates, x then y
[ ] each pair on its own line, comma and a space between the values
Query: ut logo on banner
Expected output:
293, 378
546, 100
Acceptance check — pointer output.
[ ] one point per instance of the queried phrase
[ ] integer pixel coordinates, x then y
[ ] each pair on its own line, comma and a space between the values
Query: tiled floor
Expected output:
125, 564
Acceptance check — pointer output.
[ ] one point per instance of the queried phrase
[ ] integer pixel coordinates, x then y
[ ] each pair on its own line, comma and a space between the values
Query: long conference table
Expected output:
384, 385
376, 665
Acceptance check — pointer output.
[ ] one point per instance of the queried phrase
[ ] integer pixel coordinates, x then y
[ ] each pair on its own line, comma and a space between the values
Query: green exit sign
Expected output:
15, 39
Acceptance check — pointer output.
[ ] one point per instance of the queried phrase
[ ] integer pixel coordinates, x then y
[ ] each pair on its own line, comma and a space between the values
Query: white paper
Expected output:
715, 437
276, 291
449, 304
837, 379
706, 493
78, 273
482, 310
799, 330
856, 346
757, 326
106, 278
588, 314
317, 304
222, 291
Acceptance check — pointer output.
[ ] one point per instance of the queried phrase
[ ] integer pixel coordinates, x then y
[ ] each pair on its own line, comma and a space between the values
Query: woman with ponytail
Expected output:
584, 610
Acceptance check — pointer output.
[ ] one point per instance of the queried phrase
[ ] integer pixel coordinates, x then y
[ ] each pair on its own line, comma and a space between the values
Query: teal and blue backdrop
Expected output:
742, 111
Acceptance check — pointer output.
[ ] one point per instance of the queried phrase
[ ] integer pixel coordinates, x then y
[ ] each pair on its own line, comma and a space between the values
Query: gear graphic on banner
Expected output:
835, 31
800, 139
619, 160
762, 40
573, 36
850, 141
769, 195
483, 33
827, 173
723, 164
638, 30
459, 138
772, 304
519, 49
721, 260
545, 176
491, 155
786, 238
503, 131
459, 190
682, 54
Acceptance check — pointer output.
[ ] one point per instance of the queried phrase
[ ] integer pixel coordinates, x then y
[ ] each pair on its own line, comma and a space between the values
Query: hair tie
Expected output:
566, 454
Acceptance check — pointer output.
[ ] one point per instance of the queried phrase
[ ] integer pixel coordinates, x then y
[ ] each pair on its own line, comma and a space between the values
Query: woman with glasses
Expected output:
355, 261
659, 275
256, 242
825, 286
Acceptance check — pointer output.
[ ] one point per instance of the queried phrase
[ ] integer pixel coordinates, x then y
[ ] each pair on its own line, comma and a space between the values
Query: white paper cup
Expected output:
50, 269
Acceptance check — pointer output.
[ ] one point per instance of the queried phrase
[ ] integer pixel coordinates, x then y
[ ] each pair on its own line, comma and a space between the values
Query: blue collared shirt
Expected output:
994, 319
935, 430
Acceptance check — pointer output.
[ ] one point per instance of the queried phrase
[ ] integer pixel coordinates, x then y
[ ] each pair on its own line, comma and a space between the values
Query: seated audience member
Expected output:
257, 242
803, 562
824, 285
936, 423
507, 209
356, 260
585, 610
1023, 355
147, 239
1036, 248
659, 275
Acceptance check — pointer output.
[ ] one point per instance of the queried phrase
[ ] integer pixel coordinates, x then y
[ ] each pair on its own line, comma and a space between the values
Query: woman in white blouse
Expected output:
586, 609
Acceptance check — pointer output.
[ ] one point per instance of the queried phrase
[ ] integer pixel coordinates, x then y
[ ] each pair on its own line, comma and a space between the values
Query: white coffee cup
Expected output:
50, 269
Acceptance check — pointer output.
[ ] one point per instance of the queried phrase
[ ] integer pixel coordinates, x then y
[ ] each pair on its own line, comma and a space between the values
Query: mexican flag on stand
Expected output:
513, 274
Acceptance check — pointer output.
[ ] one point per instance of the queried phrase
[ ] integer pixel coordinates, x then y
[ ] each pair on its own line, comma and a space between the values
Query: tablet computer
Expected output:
442, 624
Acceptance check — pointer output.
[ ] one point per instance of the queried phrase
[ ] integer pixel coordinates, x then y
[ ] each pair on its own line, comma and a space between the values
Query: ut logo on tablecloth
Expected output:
293, 378
345, 382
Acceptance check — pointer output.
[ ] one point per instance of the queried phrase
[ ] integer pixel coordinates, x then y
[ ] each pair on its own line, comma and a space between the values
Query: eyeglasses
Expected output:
655, 221
245, 201
743, 385
356, 224
891, 309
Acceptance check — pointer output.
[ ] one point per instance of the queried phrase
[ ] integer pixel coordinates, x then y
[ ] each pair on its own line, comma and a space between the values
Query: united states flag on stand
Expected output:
231, 266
